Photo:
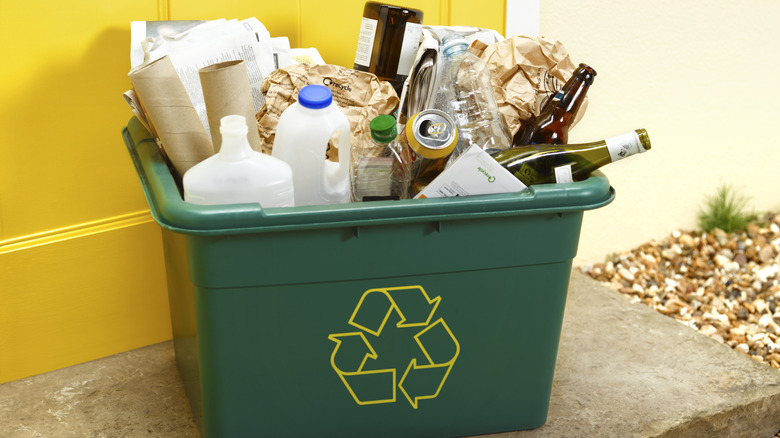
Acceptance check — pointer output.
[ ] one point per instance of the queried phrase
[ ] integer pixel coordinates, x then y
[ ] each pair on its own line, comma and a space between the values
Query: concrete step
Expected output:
623, 370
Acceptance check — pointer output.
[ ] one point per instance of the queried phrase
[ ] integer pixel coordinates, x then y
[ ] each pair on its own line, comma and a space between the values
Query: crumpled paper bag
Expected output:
525, 72
362, 96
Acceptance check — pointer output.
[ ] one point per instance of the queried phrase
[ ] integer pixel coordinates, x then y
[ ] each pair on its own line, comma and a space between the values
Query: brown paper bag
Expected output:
226, 91
362, 96
525, 72
169, 109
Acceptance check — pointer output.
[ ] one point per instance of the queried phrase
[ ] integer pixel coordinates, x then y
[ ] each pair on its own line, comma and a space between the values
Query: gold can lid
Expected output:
432, 134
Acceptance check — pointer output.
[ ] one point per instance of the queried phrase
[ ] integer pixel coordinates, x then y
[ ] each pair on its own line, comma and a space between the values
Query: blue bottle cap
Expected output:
315, 96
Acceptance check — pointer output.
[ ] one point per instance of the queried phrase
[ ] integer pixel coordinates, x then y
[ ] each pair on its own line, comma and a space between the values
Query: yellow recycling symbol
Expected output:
424, 376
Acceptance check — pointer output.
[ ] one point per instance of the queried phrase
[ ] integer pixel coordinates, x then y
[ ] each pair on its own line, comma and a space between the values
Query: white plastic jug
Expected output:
301, 141
237, 174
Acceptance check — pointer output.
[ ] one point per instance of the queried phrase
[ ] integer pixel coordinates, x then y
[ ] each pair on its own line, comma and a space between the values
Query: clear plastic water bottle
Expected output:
237, 174
465, 93
381, 165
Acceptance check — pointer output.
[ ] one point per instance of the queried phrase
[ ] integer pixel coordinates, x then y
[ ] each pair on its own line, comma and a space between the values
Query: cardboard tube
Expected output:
170, 110
226, 91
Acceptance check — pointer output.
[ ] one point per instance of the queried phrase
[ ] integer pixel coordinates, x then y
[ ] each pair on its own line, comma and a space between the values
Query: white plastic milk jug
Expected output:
237, 174
301, 140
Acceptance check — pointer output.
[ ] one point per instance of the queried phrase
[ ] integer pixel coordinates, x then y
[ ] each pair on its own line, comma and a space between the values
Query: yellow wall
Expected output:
81, 270
80, 261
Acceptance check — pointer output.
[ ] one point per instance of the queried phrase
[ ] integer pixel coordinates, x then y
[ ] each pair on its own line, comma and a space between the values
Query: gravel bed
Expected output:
725, 285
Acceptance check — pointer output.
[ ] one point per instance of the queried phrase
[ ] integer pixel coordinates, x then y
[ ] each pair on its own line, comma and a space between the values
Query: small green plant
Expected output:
725, 210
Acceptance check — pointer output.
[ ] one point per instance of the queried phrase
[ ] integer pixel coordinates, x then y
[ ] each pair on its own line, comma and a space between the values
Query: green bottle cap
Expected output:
383, 129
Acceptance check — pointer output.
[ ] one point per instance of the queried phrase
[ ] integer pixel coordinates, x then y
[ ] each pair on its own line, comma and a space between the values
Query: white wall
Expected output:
700, 77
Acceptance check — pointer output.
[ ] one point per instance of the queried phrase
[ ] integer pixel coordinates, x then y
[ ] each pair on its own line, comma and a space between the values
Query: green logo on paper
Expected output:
399, 345
490, 177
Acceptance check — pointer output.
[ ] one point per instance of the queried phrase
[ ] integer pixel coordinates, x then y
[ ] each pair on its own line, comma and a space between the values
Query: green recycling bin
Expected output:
413, 318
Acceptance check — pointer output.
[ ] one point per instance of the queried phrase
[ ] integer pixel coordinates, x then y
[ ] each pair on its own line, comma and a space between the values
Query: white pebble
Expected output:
765, 321
738, 331
742, 348
708, 330
686, 240
626, 274
757, 340
715, 316
766, 273
721, 261
668, 254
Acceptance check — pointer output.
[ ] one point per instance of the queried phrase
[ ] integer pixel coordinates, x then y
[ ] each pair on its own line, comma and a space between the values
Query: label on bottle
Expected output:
373, 177
563, 174
527, 174
365, 42
412, 36
624, 145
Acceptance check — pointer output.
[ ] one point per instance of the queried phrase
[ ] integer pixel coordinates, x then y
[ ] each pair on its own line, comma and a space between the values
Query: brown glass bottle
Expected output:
552, 125
388, 42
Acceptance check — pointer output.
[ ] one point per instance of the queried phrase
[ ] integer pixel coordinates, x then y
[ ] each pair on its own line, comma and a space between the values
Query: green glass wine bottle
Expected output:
551, 163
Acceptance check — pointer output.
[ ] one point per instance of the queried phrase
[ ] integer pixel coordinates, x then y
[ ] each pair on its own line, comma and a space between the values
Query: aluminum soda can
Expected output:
432, 135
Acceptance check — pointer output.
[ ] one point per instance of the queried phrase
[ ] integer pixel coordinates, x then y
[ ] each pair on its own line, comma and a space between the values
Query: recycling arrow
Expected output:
366, 387
424, 381
421, 379
376, 305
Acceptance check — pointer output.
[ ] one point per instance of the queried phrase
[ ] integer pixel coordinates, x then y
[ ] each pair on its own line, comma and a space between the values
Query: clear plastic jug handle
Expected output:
334, 177
345, 149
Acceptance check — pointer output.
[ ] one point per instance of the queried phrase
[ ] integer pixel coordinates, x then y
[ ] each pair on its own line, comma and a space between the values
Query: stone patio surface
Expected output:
623, 370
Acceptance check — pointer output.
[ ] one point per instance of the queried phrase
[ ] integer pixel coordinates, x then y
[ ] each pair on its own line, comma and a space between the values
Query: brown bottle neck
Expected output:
575, 93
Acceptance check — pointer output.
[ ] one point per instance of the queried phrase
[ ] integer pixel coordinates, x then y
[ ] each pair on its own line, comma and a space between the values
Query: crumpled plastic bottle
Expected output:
465, 93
